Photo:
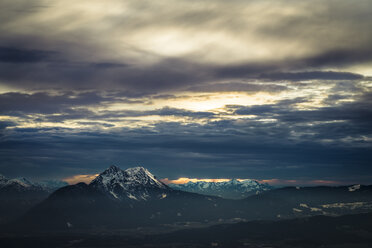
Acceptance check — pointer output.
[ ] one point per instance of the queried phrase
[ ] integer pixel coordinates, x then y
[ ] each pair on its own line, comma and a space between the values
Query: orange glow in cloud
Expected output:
183, 180
278, 182
80, 178
87, 178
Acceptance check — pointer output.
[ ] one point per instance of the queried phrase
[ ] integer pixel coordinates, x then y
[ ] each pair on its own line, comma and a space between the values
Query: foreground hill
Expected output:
314, 232
318, 231
292, 202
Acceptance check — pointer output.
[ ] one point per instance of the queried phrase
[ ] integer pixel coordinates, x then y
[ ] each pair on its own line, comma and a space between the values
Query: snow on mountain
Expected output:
23, 184
22, 181
354, 187
134, 183
19, 184
234, 189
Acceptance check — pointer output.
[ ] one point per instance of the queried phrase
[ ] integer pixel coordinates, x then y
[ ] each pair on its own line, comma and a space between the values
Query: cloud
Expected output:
339, 58
238, 87
43, 102
311, 75
190, 45
295, 182
177, 86
119, 116
183, 180
79, 178
5, 124
15, 55
274, 182
252, 150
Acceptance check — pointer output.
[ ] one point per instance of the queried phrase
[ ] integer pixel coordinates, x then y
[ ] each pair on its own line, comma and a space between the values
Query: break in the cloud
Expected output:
190, 89
274, 182
79, 178
183, 180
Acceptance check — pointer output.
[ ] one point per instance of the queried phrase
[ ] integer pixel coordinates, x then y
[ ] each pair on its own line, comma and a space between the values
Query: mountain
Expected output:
120, 199
17, 184
51, 185
19, 194
134, 183
22, 185
233, 189
133, 197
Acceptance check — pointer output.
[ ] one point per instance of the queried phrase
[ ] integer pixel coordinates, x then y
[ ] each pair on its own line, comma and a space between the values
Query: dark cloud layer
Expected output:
46, 69
305, 143
15, 55
173, 150
312, 75
45, 103
257, 89
66, 53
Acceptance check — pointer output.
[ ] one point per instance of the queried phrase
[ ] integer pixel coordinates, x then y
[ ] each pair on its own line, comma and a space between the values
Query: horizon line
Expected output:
87, 178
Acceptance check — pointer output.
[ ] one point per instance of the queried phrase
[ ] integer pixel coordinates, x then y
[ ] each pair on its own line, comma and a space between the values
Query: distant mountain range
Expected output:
233, 189
23, 184
136, 198
19, 195
120, 198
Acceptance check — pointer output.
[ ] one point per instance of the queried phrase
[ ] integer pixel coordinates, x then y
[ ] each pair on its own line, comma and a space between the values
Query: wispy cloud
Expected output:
183, 180
80, 178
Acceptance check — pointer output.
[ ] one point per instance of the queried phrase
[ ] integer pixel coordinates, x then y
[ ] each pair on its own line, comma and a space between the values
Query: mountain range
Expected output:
233, 189
134, 198
20, 194
120, 198
23, 184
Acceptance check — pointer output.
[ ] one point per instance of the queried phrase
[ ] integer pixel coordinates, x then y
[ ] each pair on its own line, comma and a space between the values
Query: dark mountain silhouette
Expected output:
135, 198
17, 196
313, 232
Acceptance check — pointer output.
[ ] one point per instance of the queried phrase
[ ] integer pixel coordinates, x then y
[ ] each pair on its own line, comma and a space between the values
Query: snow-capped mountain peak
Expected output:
18, 184
112, 169
143, 176
22, 181
136, 176
110, 176
133, 183
234, 188
23, 184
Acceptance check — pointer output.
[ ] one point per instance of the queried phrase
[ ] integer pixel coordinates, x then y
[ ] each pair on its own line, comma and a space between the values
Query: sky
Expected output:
276, 90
